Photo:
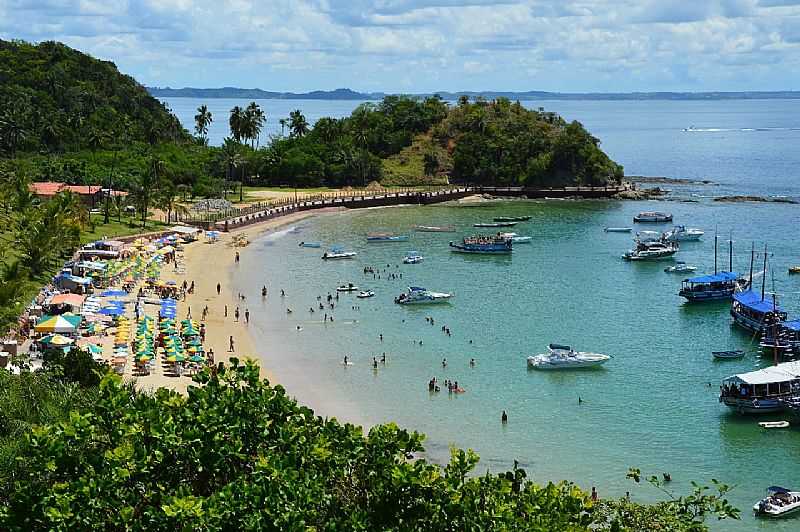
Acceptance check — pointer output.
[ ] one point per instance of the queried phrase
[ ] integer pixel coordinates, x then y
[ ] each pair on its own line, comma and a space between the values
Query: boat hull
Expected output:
461, 249
747, 406
653, 257
501, 219
376, 239
706, 295
496, 224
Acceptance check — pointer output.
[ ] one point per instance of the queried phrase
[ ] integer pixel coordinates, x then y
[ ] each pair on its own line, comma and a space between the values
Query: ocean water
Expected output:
651, 407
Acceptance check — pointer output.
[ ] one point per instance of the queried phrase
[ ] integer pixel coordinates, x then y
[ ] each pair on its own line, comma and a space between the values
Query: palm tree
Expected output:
12, 131
233, 159
283, 123
120, 202
202, 120
146, 184
297, 123
168, 200
255, 119
237, 123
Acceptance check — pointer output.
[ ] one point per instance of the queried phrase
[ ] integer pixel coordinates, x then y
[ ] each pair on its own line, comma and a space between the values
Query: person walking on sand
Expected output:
236, 314
237, 257
219, 288
230, 348
226, 311
188, 313
595, 496
247, 315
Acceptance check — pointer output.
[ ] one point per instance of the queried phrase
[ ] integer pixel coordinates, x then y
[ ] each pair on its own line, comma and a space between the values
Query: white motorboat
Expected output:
349, 287
564, 357
647, 236
417, 295
515, 238
618, 229
774, 424
338, 253
778, 502
436, 229
365, 294
413, 257
680, 267
652, 217
681, 233
652, 251
728, 355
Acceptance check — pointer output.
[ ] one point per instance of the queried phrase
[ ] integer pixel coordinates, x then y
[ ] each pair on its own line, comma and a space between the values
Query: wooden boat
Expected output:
435, 229
489, 245
386, 237
653, 217
495, 224
512, 218
794, 269
338, 253
773, 424
728, 355
310, 244
618, 229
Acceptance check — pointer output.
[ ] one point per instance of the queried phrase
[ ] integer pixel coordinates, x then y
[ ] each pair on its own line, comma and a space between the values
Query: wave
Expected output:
743, 129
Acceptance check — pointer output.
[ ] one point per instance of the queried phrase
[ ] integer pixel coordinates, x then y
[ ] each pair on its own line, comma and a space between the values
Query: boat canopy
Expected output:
721, 277
785, 372
754, 302
777, 489
793, 325
416, 289
559, 346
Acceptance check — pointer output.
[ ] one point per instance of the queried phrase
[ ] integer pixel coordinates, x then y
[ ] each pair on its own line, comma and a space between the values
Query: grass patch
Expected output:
407, 168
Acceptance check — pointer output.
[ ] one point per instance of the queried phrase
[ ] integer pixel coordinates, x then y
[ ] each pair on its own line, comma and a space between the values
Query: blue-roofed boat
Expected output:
488, 245
753, 312
713, 287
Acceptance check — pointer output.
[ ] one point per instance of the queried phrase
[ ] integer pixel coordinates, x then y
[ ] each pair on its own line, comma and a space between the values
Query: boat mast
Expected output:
730, 253
752, 258
764, 279
715, 253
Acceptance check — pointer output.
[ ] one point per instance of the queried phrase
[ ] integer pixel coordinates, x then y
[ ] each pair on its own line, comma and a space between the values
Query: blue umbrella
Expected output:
112, 311
114, 293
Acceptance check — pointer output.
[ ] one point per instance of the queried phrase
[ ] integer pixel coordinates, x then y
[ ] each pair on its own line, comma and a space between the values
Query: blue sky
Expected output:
429, 45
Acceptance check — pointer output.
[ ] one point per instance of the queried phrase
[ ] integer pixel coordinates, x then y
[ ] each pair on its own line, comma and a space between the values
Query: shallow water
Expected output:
651, 406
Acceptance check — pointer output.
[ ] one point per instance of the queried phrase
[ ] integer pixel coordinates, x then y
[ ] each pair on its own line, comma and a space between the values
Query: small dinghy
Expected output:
794, 269
728, 355
618, 229
310, 245
349, 287
680, 267
773, 424
495, 224
365, 294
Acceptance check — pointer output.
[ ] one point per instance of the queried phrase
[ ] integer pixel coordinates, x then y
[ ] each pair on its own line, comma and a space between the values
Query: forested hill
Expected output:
55, 98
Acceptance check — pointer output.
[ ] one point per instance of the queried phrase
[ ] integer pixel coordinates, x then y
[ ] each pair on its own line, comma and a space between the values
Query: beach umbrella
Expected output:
112, 311
114, 293
56, 339
94, 349
196, 358
144, 358
58, 324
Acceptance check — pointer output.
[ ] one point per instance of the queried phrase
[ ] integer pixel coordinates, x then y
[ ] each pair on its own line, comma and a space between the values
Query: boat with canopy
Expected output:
717, 286
763, 391
779, 502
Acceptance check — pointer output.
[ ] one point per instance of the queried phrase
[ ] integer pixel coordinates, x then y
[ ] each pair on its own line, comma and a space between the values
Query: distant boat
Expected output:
512, 218
386, 237
564, 357
680, 267
653, 217
435, 229
794, 269
338, 253
495, 224
516, 239
418, 296
728, 355
413, 257
651, 251
618, 229
489, 245
310, 244
680, 233
365, 294
349, 287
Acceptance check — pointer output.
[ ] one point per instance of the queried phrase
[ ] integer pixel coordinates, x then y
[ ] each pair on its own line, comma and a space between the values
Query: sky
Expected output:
430, 45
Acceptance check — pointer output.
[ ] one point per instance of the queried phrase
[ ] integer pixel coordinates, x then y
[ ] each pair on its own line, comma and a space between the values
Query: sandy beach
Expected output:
207, 264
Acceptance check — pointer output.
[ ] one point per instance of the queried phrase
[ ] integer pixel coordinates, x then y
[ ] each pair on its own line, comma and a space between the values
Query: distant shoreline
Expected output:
348, 94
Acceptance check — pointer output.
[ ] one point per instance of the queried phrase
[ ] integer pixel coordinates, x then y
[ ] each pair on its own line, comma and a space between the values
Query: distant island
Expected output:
349, 94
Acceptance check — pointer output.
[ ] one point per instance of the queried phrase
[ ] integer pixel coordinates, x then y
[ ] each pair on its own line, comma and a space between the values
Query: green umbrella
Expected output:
196, 358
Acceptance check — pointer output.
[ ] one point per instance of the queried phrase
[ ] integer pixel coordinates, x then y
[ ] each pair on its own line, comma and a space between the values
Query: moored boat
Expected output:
490, 245
718, 286
680, 267
564, 357
495, 224
310, 244
762, 391
386, 237
728, 355
435, 228
779, 502
512, 218
419, 296
651, 251
753, 312
618, 229
413, 257
773, 424
681, 233
338, 253
794, 269
653, 217
365, 294
515, 238
349, 287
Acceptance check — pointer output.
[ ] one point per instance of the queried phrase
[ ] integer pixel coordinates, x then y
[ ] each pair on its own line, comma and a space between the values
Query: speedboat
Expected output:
417, 295
564, 357
349, 287
386, 237
728, 355
490, 245
310, 245
680, 233
338, 253
794, 269
365, 294
495, 224
651, 251
515, 238
413, 257
653, 217
778, 502
618, 229
512, 218
680, 267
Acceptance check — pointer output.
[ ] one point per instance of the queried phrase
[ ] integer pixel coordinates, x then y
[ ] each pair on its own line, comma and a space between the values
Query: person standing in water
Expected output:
504, 417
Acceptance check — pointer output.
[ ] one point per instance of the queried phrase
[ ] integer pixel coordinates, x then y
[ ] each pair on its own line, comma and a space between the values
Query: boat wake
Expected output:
738, 129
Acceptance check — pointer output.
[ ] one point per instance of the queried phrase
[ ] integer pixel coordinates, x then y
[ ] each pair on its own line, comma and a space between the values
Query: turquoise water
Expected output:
651, 406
